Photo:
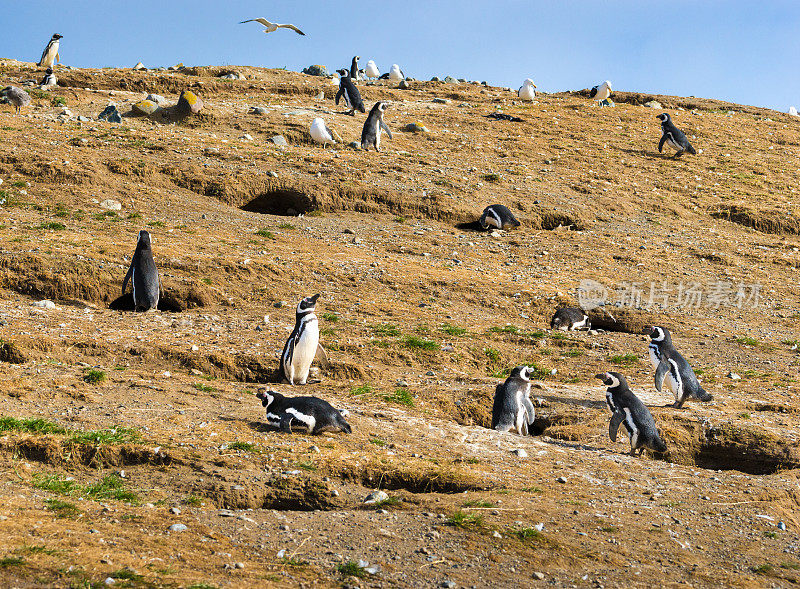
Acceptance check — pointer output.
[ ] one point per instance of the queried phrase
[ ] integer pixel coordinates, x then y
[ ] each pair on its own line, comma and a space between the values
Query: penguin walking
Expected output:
16, 96
371, 133
602, 93
674, 137
50, 54
143, 275
309, 414
628, 409
527, 91
570, 319
354, 67
372, 70
348, 91
49, 79
303, 344
321, 133
670, 365
512, 407
498, 216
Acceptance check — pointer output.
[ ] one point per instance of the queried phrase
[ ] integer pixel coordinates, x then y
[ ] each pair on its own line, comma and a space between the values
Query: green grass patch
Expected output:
307, 465
192, 500
531, 490
52, 226
111, 487
204, 388
386, 330
574, 352
417, 343
770, 534
116, 435
453, 330
265, 233
332, 317
157, 224
482, 503
38, 549
492, 354
351, 569
762, 569
11, 561
491, 177
62, 509
748, 341
19, 184
287, 226
400, 396
34, 426
399, 219
106, 216
505, 329
125, 575
465, 520
364, 389
243, 447
94, 376
390, 503
624, 359
132, 216
55, 484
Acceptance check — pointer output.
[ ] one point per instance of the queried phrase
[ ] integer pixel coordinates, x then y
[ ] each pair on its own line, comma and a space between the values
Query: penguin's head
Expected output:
343, 72
49, 71
307, 305
663, 117
383, 105
657, 333
357, 57
144, 239
612, 379
267, 397
56, 36
522, 372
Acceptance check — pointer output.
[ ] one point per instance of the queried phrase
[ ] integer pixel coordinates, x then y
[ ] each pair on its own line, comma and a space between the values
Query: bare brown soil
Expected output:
387, 239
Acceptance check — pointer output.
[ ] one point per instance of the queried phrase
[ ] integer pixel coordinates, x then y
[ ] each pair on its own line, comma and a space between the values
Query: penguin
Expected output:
49, 78
628, 409
674, 137
361, 75
498, 216
50, 54
499, 116
143, 275
321, 133
570, 319
354, 67
16, 96
372, 70
669, 364
601, 92
371, 133
512, 407
303, 344
349, 92
527, 90
308, 414
395, 73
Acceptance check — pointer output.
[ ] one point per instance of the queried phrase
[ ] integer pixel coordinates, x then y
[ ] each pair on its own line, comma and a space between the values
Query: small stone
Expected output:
653, 104
520, 452
416, 128
376, 497
83, 119
45, 304
401, 383
144, 107
279, 140
238, 565
195, 348
178, 528
538, 576
109, 581
314, 449
348, 231
111, 205
320, 96
139, 66
450, 80
157, 98
498, 535
782, 526
441, 101
258, 110
246, 137
315, 70
283, 528
110, 114
196, 372
430, 373
447, 584
734, 376
554, 371
278, 304
166, 374
334, 493
175, 511
403, 85
561, 480
355, 145
189, 103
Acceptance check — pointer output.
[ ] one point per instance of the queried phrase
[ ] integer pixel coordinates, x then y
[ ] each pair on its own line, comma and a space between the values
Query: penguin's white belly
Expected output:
671, 142
304, 351
653, 359
673, 386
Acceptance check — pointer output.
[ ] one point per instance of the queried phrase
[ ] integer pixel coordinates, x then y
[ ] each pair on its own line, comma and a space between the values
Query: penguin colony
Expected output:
512, 407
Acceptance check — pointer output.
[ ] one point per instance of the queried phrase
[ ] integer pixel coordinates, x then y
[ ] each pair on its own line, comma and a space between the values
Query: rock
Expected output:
441, 101
238, 565
782, 526
554, 371
246, 137
65, 112
157, 98
175, 511
538, 576
258, 110
561, 480
178, 528
734, 376
355, 145
144, 107
496, 534
110, 114
109, 581
403, 85
320, 96
111, 205
416, 128
436, 79
139, 66
653, 104
348, 231
520, 452
376, 497
316, 70
450, 80
446, 584
401, 383
45, 304
175, 67
279, 140
189, 103
84, 119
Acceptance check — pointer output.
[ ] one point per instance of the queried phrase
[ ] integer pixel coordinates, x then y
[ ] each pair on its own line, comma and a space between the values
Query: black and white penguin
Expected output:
354, 67
371, 133
669, 364
628, 409
674, 137
498, 216
49, 78
143, 275
303, 344
512, 407
308, 414
570, 319
349, 92
50, 54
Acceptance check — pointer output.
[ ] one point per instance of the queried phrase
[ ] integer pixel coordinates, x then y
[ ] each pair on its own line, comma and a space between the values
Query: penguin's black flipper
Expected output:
127, 277
691, 149
660, 143
661, 374
616, 420
339, 94
385, 127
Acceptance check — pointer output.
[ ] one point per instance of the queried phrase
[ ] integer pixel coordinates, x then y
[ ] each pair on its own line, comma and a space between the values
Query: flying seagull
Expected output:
271, 26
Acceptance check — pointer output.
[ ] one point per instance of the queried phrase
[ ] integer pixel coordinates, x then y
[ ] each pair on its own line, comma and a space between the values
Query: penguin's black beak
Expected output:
314, 298
648, 330
601, 376
57, 36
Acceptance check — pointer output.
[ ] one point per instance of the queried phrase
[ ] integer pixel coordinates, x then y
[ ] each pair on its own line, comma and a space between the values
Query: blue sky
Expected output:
744, 52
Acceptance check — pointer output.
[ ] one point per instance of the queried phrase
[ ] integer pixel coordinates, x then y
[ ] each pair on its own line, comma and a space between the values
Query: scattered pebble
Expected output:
178, 528
376, 497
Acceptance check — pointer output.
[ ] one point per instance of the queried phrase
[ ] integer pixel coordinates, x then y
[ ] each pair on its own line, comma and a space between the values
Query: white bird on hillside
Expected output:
601, 92
321, 133
372, 70
526, 91
793, 111
396, 73
271, 26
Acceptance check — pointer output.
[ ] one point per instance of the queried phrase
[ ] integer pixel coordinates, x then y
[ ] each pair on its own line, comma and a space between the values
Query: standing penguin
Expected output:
627, 408
669, 364
143, 275
512, 407
674, 137
371, 133
303, 344
499, 216
349, 92
354, 67
527, 91
50, 54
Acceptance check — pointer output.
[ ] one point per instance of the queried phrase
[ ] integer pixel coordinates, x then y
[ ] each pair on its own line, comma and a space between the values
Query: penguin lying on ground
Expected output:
570, 319
303, 344
512, 407
143, 275
628, 409
308, 414
503, 117
498, 216
674, 137
669, 364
